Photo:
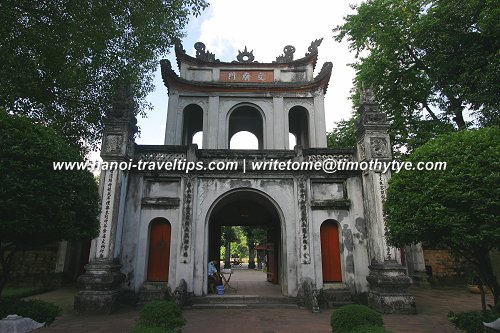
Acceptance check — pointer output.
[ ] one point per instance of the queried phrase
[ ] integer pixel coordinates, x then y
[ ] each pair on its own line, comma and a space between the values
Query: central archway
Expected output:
251, 208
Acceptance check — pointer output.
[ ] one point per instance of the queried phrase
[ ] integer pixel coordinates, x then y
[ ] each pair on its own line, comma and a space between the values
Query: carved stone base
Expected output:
389, 288
100, 287
392, 303
101, 302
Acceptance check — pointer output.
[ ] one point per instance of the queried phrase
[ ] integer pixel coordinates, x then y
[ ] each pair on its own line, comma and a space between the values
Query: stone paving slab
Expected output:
432, 306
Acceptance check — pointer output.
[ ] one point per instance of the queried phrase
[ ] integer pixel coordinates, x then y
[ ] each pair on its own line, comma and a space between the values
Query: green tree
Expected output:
343, 135
228, 236
457, 209
59, 59
37, 204
429, 63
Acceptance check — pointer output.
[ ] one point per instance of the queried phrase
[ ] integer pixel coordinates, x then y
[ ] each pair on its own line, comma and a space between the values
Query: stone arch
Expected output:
330, 235
192, 116
298, 125
246, 117
159, 243
231, 199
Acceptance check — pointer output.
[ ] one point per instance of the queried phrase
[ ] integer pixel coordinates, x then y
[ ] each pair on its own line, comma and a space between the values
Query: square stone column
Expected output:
100, 284
387, 278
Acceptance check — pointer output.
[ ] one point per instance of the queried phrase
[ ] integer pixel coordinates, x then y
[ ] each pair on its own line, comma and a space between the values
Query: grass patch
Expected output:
23, 291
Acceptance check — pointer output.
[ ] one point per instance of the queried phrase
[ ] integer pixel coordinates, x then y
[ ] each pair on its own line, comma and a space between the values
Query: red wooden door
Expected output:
330, 252
159, 251
272, 256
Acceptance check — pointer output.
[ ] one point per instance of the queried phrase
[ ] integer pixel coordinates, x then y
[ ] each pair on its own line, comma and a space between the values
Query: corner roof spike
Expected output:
178, 45
313, 48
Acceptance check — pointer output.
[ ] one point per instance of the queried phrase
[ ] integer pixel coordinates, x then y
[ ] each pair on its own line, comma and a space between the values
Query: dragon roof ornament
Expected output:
203, 54
287, 55
314, 46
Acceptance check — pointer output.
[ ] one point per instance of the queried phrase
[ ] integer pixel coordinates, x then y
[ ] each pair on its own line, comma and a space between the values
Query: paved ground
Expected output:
251, 282
432, 306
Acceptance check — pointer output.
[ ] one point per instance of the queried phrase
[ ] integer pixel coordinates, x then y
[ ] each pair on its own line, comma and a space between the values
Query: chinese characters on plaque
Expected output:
246, 76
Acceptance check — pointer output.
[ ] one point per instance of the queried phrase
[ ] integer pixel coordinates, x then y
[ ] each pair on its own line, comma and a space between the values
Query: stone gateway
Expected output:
161, 224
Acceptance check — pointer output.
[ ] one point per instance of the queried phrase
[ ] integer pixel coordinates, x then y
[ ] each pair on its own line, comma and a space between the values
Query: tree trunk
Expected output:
7, 254
487, 276
483, 296
459, 119
251, 256
457, 110
227, 259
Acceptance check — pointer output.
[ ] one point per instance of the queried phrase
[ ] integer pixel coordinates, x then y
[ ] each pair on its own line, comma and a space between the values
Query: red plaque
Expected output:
254, 76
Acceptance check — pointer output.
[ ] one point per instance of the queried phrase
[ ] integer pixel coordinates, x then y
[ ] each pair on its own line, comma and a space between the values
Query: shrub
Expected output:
152, 330
40, 311
348, 317
369, 329
472, 321
161, 314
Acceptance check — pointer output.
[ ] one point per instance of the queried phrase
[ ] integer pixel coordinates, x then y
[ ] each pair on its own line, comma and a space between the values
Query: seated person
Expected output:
213, 275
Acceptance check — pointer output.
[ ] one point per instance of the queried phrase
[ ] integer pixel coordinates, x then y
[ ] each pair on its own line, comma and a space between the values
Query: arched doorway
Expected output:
159, 250
330, 252
250, 208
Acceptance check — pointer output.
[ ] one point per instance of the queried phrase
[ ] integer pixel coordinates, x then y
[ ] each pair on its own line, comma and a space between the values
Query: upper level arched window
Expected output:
298, 125
192, 123
246, 118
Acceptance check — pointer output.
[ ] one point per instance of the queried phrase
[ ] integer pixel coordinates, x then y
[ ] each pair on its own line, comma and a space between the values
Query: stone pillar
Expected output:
374, 146
387, 278
279, 118
389, 288
100, 284
415, 263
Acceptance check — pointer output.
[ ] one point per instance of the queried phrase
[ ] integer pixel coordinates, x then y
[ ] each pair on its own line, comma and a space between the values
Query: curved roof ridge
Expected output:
171, 79
205, 58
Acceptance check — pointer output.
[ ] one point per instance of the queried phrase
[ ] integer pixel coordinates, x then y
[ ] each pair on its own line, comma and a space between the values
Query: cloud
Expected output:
267, 26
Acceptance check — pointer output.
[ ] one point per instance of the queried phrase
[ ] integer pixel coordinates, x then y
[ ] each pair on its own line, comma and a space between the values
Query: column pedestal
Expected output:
100, 287
389, 288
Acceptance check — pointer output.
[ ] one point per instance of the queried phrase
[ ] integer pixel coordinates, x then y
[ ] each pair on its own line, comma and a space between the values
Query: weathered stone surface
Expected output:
389, 288
152, 291
18, 324
100, 287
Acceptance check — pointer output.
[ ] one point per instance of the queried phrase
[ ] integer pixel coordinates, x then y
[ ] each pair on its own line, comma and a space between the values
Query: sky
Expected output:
265, 27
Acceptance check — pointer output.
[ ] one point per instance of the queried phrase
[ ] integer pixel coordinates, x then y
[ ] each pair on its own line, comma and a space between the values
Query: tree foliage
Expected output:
60, 59
37, 204
344, 135
457, 209
430, 63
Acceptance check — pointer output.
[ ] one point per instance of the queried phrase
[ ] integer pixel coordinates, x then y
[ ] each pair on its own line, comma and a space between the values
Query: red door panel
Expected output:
272, 256
159, 252
330, 252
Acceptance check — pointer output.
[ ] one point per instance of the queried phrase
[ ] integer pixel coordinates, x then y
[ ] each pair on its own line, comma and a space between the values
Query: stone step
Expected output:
241, 301
152, 291
336, 297
241, 306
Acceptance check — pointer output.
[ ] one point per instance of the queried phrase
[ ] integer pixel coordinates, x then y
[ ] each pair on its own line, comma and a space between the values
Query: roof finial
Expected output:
287, 55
